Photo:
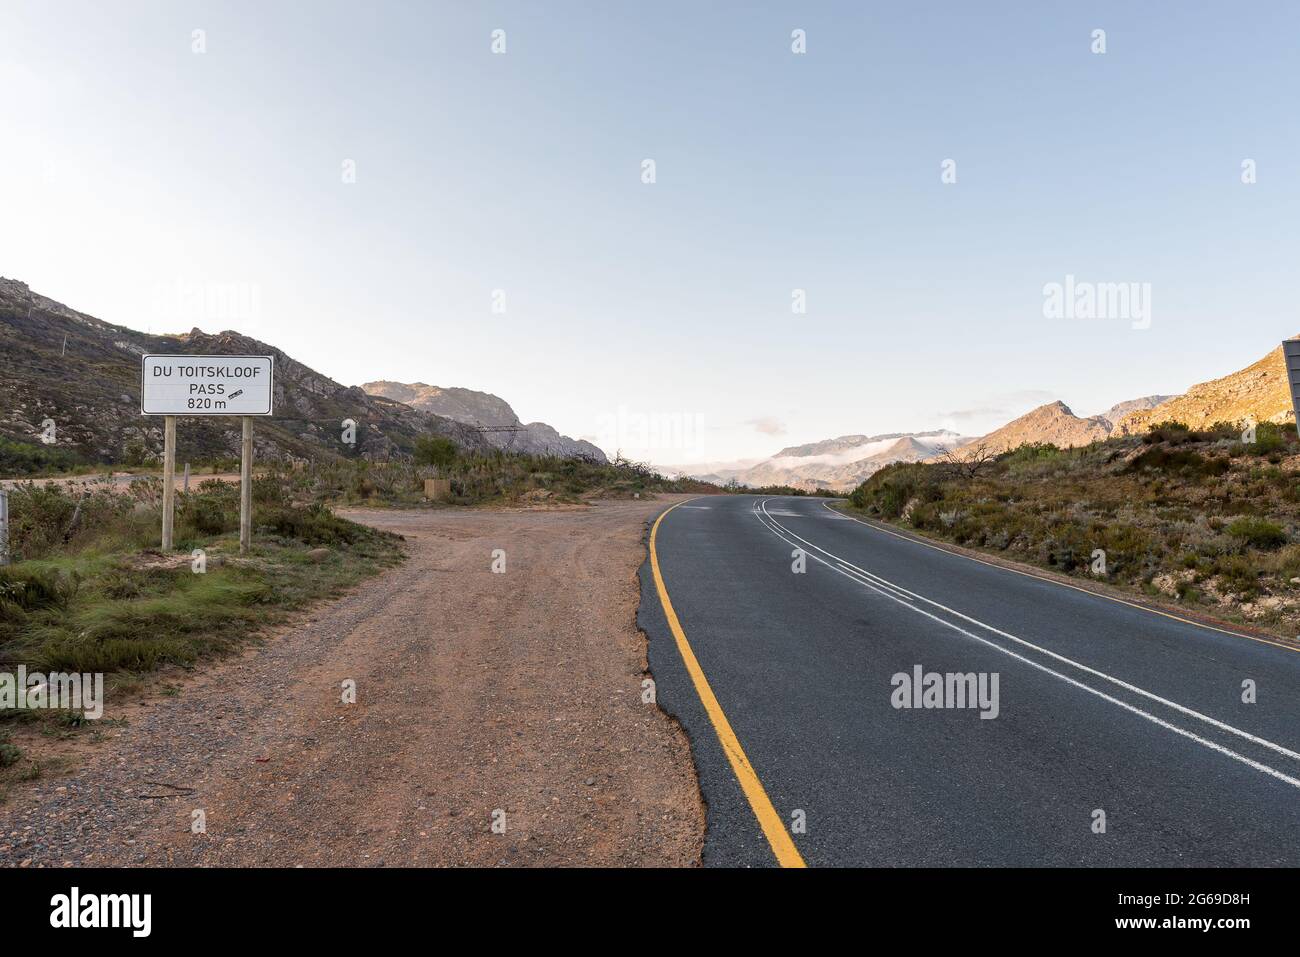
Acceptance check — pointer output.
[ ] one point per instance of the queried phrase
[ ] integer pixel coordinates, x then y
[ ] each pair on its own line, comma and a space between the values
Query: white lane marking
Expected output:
848, 573
876, 579
703, 508
1069, 661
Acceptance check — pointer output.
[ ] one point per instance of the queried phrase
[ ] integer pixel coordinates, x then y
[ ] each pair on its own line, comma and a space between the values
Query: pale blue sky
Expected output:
131, 164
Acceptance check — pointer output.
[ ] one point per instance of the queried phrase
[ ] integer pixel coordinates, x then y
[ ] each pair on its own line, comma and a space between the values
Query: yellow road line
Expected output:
787, 854
1053, 581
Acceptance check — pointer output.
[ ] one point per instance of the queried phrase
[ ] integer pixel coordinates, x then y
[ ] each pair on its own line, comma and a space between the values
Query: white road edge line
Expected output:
1294, 782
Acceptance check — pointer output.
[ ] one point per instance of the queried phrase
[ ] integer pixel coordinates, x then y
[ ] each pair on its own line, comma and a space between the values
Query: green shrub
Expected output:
313, 525
1258, 532
36, 589
9, 754
1238, 575
1186, 461
48, 518
215, 512
1269, 438
1174, 433
27, 458
435, 450
887, 492
1032, 452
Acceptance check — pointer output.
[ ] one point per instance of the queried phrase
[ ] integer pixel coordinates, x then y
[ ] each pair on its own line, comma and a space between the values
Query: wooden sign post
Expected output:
169, 480
246, 485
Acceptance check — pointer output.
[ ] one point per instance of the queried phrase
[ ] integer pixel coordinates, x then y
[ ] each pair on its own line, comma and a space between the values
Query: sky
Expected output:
374, 189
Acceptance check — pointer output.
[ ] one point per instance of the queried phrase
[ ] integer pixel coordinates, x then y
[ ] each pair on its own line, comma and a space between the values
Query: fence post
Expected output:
4, 526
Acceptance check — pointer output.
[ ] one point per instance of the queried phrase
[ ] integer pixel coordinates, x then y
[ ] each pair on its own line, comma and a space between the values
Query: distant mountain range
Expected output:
84, 374
1261, 391
484, 409
837, 464
842, 463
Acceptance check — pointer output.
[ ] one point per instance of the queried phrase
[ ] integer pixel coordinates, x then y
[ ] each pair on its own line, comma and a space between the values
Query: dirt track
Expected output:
476, 692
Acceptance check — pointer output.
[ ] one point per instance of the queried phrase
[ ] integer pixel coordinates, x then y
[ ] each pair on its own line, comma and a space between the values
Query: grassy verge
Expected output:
89, 591
1202, 520
477, 478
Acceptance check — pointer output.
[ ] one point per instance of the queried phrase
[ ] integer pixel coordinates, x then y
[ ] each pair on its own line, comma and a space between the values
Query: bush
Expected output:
313, 525
1175, 433
214, 512
9, 754
1258, 532
28, 592
1238, 576
26, 458
436, 450
46, 518
1186, 461
1032, 452
35, 589
888, 491
1269, 438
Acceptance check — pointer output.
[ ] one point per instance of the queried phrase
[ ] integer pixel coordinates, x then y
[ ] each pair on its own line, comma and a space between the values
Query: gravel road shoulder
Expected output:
480, 697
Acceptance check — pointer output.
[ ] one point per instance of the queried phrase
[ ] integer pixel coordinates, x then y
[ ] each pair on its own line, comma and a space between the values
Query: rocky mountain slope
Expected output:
84, 375
484, 409
1116, 412
1259, 391
1053, 422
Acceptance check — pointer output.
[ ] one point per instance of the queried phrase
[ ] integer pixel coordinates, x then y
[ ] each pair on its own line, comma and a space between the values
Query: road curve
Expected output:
1101, 707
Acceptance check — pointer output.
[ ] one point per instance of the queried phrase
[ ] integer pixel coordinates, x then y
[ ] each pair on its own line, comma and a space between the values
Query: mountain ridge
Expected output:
1052, 422
1260, 391
475, 408
83, 374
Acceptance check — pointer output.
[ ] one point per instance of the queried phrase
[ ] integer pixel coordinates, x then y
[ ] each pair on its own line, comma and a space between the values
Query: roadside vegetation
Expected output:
477, 478
735, 487
29, 458
89, 591
1200, 519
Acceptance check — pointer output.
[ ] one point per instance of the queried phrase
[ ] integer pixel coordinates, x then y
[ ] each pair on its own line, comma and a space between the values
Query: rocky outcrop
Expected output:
1260, 392
484, 410
1115, 414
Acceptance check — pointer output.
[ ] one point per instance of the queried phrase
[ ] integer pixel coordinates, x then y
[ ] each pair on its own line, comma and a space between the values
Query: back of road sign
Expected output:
1291, 355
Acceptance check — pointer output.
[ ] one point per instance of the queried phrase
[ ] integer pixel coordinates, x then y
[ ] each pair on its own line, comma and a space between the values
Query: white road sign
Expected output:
206, 385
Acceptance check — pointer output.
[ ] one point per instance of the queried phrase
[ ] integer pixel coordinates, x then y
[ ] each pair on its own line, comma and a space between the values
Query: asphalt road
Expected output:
1101, 706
